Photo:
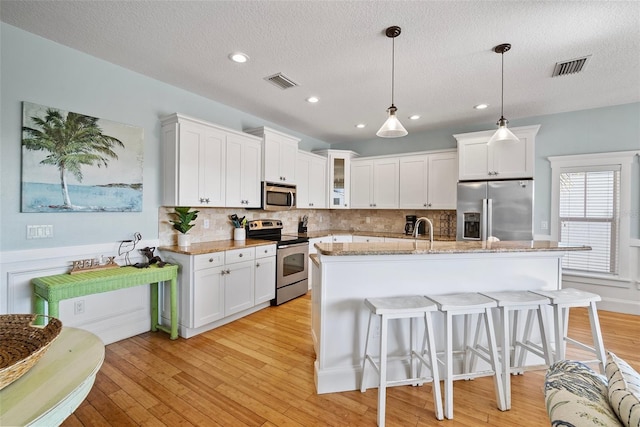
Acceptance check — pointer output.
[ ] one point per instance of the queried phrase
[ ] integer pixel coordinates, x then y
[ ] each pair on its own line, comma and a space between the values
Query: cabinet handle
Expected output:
425, 205
257, 264
240, 255
206, 200
210, 259
429, 204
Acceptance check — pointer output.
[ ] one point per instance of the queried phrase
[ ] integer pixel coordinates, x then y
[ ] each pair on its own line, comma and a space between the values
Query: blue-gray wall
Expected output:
40, 71
43, 72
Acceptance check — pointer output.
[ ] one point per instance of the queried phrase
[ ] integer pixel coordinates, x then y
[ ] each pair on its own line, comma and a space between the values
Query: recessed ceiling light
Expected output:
414, 117
238, 57
480, 106
313, 99
360, 125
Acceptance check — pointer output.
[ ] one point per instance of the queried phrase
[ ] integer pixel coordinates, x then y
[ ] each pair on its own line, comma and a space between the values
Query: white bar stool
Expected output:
413, 307
561, 301
468, 304
511, 346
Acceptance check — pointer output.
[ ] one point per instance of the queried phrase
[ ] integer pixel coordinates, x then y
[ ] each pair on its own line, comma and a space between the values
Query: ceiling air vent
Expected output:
570, 67
282, 81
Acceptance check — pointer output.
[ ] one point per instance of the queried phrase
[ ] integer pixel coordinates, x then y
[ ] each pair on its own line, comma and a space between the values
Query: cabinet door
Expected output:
413, 182
366, 239
443, 181
238, 287
385, 183
512, 159
243, 172
265, 279
317, 183
473, 160
208, 296
212, 168
339, 182
362, 184
303, 190
288, 153
190, 141
279, 158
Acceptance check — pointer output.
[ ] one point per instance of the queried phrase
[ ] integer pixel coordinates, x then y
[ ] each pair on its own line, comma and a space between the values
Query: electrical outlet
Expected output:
206, 223
367, 220
78, 307
544, 225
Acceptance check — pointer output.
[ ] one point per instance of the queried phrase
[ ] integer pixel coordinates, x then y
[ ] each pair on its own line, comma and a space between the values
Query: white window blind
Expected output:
589, 215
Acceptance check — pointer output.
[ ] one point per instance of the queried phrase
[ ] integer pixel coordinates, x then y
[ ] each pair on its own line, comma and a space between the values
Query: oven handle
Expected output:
293, 245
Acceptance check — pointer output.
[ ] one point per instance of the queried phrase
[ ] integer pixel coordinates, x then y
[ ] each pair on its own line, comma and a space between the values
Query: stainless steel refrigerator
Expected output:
502, 209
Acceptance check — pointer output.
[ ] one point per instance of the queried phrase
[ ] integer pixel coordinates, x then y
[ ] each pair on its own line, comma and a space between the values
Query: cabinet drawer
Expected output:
215, 259
239, 255
265, 251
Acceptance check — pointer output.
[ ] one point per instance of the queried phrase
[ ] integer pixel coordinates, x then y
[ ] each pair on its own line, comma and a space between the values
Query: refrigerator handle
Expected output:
483, 223
489, 217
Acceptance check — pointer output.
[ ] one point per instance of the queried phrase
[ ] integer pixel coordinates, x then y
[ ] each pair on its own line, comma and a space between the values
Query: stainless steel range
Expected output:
292, 258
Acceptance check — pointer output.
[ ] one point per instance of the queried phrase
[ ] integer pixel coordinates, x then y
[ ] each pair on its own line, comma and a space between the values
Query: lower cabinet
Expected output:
219, 287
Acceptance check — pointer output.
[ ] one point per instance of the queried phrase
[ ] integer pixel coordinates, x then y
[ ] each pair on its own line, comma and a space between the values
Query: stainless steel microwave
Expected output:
277, 197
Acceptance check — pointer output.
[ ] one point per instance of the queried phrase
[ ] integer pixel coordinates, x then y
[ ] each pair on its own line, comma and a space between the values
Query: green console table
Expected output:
54, 289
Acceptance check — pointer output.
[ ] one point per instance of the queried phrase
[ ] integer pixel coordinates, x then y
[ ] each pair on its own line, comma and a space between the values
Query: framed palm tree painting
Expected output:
77, 163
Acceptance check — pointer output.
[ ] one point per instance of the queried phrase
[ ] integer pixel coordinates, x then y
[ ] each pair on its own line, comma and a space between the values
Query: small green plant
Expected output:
184, 218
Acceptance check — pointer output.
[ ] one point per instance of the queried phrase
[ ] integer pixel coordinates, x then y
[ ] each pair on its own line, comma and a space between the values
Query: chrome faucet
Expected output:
417, 227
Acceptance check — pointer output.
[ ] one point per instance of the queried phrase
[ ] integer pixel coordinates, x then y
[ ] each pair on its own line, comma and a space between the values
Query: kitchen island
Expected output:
344, 274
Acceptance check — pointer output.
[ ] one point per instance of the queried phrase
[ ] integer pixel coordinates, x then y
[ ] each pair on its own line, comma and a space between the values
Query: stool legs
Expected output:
597, 335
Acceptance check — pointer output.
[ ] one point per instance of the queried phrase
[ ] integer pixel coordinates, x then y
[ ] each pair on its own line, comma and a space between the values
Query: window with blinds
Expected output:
589, 215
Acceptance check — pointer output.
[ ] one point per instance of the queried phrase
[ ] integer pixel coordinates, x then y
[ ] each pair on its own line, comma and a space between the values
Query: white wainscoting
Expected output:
111, 315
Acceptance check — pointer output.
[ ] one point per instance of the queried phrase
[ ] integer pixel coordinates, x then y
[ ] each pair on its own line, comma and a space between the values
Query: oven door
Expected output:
292, 264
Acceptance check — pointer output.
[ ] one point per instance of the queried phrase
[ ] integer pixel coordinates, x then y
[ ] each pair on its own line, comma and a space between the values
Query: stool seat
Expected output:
462, 301
570, 296
516, 298
400, 306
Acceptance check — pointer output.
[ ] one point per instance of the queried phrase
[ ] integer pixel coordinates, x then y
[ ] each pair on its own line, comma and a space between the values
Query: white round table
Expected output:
57, 384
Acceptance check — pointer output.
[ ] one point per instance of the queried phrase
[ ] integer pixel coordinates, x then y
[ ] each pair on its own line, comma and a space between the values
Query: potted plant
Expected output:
183, 224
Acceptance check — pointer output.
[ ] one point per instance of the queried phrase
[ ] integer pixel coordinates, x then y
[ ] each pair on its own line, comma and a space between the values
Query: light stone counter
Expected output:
417, 247
215, 246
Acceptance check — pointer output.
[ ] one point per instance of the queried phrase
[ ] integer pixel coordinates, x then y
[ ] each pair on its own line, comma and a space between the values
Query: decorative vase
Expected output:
184, 240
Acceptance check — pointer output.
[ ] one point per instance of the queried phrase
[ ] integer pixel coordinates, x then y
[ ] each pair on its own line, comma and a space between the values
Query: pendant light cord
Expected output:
502, 95
393, 67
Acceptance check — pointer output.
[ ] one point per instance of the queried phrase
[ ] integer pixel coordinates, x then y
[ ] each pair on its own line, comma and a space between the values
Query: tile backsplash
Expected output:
378, 220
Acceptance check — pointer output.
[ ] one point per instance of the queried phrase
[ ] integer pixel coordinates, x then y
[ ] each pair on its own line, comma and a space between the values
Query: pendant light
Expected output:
503, 133
392, 128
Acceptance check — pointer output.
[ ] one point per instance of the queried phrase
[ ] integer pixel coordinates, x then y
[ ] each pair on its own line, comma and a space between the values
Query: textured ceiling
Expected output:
337, 51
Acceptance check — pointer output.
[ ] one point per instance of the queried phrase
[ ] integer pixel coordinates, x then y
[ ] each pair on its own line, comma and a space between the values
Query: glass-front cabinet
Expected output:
339, 173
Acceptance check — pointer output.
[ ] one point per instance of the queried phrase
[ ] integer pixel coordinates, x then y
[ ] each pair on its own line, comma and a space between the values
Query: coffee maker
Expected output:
410, 224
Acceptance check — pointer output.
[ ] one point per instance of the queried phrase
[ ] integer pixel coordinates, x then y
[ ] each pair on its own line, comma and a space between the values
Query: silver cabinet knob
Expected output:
210, 259
257, 264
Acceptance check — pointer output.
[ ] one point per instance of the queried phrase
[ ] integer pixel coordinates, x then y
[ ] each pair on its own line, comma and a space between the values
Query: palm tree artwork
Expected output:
67, 147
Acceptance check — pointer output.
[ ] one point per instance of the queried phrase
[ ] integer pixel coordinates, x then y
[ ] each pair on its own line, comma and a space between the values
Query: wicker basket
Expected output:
22, 344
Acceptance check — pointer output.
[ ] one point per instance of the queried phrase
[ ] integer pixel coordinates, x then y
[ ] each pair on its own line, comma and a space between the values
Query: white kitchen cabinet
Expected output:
375, 183
429, 181
216, 288
341, 238
243, 162
479, 160
366, 239
278, 155
194, 162
338, 177
311, 177
265, 274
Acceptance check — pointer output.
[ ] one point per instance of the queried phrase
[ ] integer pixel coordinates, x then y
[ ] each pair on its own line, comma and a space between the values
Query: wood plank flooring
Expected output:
258, 371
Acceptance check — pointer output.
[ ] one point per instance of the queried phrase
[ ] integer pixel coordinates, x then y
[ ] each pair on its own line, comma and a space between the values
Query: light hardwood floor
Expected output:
258, 371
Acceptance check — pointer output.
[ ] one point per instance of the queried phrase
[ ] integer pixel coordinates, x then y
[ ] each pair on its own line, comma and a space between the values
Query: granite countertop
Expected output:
215, 246
420, 247
324, 233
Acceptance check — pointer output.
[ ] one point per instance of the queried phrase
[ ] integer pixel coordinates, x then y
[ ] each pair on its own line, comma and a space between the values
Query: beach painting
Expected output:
77, 163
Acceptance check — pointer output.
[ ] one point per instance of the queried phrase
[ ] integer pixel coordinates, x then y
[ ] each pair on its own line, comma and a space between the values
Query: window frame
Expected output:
622, 159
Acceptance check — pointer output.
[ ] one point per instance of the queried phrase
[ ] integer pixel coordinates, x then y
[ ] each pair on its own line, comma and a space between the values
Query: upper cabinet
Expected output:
501, 160
243, 163
279, 154
338, 177
429, 181
375, 183
194, 162
311, 177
